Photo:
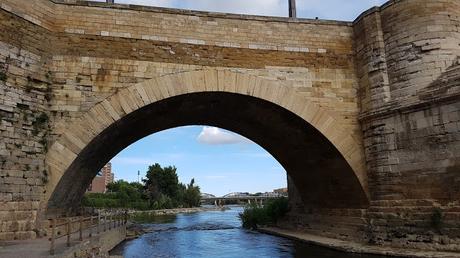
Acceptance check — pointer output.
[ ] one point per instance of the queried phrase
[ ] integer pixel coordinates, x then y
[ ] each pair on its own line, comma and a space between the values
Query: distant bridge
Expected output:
248, 199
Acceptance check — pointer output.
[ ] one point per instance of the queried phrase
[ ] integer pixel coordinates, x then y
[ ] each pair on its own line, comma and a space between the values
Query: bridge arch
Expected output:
324, 161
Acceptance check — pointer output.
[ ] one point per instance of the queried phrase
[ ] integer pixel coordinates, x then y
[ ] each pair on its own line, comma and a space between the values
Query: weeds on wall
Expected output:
40, 124
45, 177
3, 76
436, 218
48, 93
47, 90
29, 85
2, 161
3, 69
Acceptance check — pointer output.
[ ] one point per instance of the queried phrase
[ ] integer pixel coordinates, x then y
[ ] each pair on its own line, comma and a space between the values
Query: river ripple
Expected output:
216, 234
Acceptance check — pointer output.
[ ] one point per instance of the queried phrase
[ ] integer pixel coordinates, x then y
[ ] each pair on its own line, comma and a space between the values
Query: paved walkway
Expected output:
355, 247
40, 247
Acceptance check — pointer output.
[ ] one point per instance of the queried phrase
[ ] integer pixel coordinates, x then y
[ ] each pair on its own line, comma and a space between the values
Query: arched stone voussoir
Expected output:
138, 96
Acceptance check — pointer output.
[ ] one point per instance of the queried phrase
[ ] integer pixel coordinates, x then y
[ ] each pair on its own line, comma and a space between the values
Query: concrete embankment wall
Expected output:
98, 246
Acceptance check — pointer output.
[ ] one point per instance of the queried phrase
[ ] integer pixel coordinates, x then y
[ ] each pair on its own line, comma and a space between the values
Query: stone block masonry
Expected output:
408, 67
380, 97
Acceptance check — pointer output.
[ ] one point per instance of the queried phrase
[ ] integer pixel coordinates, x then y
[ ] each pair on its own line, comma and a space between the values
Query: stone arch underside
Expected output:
325, 163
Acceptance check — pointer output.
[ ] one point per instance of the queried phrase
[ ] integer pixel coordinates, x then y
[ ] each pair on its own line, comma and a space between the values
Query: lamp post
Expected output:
292, 9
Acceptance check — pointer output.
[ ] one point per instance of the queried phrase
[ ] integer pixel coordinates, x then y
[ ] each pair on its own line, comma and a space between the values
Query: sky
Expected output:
345, 10
221, 161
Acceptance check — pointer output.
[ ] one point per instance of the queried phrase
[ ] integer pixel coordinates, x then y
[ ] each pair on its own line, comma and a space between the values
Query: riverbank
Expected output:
176, 211
352, 247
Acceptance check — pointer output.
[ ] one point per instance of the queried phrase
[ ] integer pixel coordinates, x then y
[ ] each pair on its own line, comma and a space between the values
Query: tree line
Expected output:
160, 189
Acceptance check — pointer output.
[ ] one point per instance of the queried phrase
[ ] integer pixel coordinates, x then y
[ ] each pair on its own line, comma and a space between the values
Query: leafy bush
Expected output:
252, 216
255, 215
124, 195
277, 208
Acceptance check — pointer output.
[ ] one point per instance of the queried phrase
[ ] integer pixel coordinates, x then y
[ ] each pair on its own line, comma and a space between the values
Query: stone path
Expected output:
353, 247
38, 248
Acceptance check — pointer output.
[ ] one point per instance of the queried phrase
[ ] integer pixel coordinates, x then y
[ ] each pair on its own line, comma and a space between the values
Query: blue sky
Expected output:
346, 10
220, 161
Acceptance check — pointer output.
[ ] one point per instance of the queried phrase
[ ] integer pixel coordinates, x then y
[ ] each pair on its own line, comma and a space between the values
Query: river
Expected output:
215, 234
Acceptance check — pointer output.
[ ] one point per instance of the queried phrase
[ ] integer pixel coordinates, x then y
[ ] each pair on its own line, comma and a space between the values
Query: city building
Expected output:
281, 191
101, 180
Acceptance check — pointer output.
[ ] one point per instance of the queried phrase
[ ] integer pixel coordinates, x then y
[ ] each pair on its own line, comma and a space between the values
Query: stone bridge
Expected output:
364, 115
237, 199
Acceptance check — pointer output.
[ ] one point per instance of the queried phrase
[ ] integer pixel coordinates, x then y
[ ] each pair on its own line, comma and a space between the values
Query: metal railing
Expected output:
90, 225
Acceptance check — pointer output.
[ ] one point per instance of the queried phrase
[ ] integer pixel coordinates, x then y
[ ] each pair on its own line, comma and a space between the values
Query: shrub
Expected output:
277, 208
111, 200
256, 215
252, 216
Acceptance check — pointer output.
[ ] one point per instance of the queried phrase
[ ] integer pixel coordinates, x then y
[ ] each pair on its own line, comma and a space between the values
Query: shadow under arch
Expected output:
320, 173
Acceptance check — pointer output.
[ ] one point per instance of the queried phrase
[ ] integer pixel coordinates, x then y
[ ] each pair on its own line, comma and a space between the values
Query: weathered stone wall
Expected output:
407, 59
409, 71
73, 56
24, 94
390, 80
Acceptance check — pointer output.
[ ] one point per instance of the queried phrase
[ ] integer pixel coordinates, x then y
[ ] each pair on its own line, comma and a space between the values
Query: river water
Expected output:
216, 234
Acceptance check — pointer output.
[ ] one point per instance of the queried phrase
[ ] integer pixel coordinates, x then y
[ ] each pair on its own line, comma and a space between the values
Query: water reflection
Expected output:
215, 234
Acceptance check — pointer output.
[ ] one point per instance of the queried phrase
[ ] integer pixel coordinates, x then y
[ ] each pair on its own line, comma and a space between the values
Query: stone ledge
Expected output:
410, 105
373, 10
352, 247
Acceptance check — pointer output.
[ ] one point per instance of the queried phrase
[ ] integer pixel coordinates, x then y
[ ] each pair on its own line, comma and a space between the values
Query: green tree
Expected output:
161, 190
192, 196
181, 195
125, 190
161, 182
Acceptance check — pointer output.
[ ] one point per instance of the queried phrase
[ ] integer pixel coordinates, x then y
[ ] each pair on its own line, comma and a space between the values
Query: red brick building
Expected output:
101, 180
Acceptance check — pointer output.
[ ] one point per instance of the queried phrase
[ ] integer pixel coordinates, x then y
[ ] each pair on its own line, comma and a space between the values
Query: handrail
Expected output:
113, 219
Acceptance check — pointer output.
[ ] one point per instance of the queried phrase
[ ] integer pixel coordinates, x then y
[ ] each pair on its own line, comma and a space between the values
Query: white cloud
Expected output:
217, 136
